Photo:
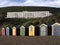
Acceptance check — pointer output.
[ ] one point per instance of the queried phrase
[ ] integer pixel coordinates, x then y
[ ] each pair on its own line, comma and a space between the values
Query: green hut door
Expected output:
22, 31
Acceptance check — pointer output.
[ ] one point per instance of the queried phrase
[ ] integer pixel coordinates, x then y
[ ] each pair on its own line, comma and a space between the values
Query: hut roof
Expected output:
43, 25
56, 24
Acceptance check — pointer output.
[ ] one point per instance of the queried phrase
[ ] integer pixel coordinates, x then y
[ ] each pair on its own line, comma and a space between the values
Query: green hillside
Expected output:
27, 8
26, 22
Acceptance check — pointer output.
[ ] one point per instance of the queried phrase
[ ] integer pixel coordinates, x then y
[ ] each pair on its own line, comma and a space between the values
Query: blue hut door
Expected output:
7, 31
56, 30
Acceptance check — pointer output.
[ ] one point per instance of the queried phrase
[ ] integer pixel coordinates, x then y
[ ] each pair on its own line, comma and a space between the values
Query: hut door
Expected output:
22, 31
7, 31
43, 31
3, 32
31, 31
56, 31
14, 32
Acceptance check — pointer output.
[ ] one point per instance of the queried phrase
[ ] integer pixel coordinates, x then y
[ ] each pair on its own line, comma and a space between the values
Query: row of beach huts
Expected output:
42, 30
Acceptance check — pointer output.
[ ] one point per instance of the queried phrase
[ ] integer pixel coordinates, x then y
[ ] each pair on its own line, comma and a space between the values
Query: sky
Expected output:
49, 3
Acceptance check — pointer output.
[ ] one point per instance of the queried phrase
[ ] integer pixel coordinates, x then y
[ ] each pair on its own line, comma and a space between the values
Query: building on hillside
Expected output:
28, 14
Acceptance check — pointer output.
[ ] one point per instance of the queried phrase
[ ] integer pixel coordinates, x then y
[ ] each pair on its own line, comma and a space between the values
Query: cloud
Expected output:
51, 3
17, 1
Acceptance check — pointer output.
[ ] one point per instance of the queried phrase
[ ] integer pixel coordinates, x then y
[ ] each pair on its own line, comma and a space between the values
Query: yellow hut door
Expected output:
14, 31
31, 31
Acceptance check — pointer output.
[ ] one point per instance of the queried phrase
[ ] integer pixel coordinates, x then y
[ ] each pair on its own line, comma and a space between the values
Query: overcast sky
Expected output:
50, 3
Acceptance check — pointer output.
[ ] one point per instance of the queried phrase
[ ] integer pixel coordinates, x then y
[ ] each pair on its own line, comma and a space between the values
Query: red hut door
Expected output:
3, 31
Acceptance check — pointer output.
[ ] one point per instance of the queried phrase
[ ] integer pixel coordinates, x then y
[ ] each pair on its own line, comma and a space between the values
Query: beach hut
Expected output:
3, 31
56, 29
7, 31
22, 31
14, 31
31, 30
43, 30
